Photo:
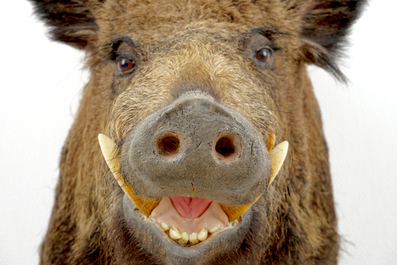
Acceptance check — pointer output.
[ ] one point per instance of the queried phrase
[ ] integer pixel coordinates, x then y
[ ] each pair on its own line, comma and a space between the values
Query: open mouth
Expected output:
189, 220
186, 220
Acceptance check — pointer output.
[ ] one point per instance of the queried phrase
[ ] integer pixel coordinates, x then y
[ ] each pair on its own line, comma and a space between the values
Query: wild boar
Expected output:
193, 96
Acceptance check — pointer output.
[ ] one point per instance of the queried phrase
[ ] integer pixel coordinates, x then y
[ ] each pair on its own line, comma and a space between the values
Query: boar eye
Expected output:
263, 55
125, 65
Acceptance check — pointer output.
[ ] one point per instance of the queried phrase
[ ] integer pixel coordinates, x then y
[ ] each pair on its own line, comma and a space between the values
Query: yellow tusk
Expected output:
271, 137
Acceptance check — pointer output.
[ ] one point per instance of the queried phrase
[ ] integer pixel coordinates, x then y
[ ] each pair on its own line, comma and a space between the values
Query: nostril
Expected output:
228, 147
225, 147
168, 144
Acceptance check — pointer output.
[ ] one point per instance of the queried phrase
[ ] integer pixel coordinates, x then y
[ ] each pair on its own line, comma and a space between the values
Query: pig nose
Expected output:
196, 147
200, 128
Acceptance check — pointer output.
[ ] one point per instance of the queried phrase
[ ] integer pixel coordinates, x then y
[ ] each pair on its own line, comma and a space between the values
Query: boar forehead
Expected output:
153, 21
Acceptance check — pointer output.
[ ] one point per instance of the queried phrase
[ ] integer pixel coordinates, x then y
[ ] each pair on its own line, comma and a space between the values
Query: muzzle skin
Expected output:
196, 147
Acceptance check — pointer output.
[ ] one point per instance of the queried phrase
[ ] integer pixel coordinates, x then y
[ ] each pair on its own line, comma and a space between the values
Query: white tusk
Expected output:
277, 157
109, 148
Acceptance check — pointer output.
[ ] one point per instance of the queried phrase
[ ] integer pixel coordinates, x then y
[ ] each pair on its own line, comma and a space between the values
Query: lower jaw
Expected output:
154, 239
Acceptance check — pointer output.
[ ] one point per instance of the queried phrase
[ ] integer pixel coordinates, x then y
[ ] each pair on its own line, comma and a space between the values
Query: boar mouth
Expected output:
130, 225
189, 221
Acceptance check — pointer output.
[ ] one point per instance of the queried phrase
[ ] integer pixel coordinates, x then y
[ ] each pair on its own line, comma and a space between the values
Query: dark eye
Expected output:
125, 65
263, 55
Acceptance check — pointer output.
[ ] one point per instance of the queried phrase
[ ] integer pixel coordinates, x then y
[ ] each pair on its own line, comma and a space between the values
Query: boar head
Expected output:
194, 95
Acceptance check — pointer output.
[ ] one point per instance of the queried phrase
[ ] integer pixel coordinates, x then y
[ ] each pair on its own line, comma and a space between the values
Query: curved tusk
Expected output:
109, 151
277, 158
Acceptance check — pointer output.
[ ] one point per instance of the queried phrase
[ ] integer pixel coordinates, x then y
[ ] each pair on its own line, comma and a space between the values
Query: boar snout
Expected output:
196, 147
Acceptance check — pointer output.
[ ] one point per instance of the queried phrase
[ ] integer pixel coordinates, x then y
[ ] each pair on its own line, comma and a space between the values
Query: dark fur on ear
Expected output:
325, 25
70, 21
318, 55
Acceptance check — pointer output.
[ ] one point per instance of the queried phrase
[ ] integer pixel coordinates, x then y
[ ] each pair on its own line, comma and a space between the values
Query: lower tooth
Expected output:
174, 233
202, 235
214, 229
184, 239
164, 226
234, 223
193, 239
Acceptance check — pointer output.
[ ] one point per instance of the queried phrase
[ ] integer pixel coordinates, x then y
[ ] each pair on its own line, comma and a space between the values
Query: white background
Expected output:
41, 84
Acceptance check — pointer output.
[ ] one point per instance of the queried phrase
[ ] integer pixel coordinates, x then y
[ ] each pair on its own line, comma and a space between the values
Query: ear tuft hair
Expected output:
325, 26
70, 21
318, 55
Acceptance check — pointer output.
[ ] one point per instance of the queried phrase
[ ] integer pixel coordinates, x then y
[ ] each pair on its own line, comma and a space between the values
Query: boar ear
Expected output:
325, 26
70, 21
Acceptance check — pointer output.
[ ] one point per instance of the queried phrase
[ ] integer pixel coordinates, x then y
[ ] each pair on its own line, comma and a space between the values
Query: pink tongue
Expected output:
189, 207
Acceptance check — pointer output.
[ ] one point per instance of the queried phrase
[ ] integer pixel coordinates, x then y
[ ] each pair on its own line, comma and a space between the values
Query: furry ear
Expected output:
325, 25
70, 21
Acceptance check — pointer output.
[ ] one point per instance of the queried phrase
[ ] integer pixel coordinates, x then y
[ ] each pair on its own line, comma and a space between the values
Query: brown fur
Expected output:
188, 44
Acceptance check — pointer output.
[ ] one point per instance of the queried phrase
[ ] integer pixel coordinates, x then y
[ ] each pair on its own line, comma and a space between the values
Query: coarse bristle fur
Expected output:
182, 46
